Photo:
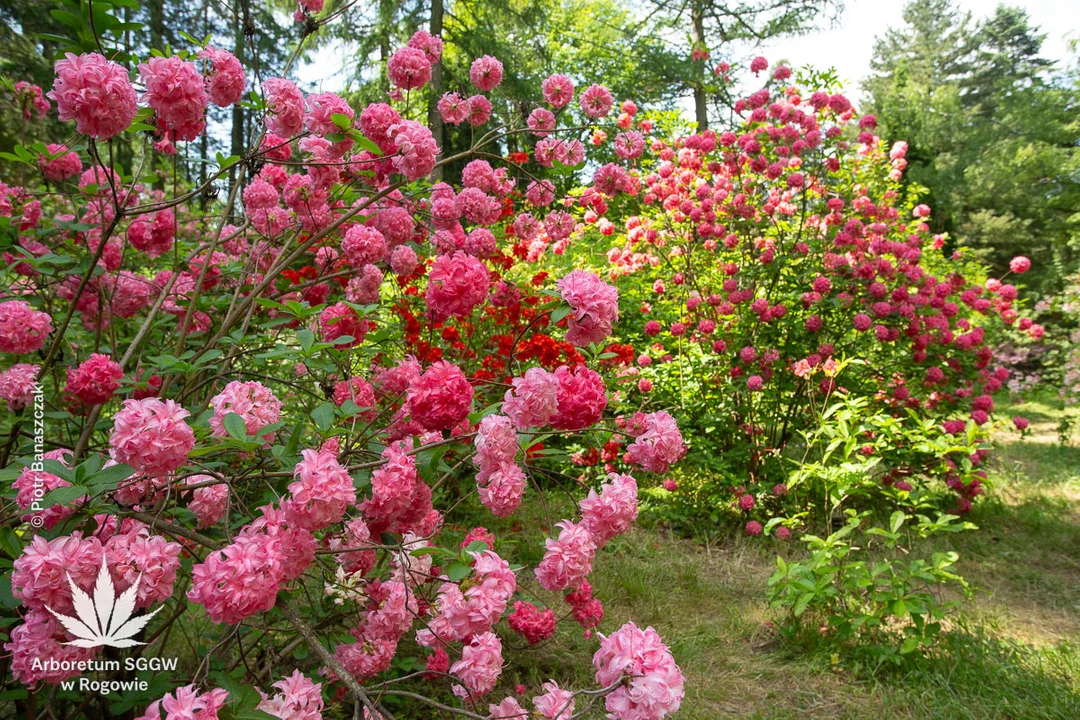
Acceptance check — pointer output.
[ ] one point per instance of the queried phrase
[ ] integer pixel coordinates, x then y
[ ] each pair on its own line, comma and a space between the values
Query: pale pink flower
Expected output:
252, 401
285, 107
151, 436
555, 703
416, 149
225, 82
486, 73
481, 663
440, 398
208, 502
17, 385
654, 686
453, 108
533, 400
496, 443
321, 492
595, 307
508, 709
503, 490
22, 328
613, 511
298, 698
659, 446
568, 559
94, 92
32, 485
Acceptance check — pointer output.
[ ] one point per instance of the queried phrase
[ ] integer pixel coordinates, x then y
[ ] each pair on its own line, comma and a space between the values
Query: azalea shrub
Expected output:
882, 606
753, 262
261, 412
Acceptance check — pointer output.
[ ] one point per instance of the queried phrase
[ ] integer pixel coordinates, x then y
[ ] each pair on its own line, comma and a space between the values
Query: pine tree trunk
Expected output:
701, 110
434, 118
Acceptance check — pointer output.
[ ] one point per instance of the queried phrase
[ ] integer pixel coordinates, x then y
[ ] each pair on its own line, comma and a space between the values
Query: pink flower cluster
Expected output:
659, 446
533, 400
32, 485
252, 401
177, 94
321, 493
613, 511
456, 285
94, 380
225, 82
478, 608
286, 107
297, 699
187, 703
532, 623
568, 559
94, 92
581, 396
17, 385
65, 163
22, 328
595, 307
416, 147
209, 502
486, 73
151, 436
440, 398
409, 68
654, 685
243, 578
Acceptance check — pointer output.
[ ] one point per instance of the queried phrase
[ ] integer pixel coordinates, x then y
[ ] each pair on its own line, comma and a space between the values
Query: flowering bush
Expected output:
273, 413
752, 262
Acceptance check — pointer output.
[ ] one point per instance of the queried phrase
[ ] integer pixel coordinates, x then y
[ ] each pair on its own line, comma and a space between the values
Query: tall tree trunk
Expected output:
386, 21
434, 118
701, 110
237, 137
204, 145
157, 37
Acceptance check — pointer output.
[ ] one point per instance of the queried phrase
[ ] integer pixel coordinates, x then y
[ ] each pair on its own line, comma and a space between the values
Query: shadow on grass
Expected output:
973, 675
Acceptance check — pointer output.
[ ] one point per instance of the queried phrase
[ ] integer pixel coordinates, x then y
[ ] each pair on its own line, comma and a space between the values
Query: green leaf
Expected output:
7, 599
63, 495
110, 477
235, 426
458, 571
10, 542
475, 546
324, 416
306, 339
342, 120
896, 520
368, 145
560, 313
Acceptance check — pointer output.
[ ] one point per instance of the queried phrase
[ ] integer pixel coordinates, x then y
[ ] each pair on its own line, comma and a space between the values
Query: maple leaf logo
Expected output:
104, 619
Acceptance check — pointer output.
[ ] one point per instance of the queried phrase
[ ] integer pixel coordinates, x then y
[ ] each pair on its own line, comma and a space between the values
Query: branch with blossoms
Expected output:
356, 362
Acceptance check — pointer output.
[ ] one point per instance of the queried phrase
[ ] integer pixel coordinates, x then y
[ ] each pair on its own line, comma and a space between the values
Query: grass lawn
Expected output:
1012, 652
